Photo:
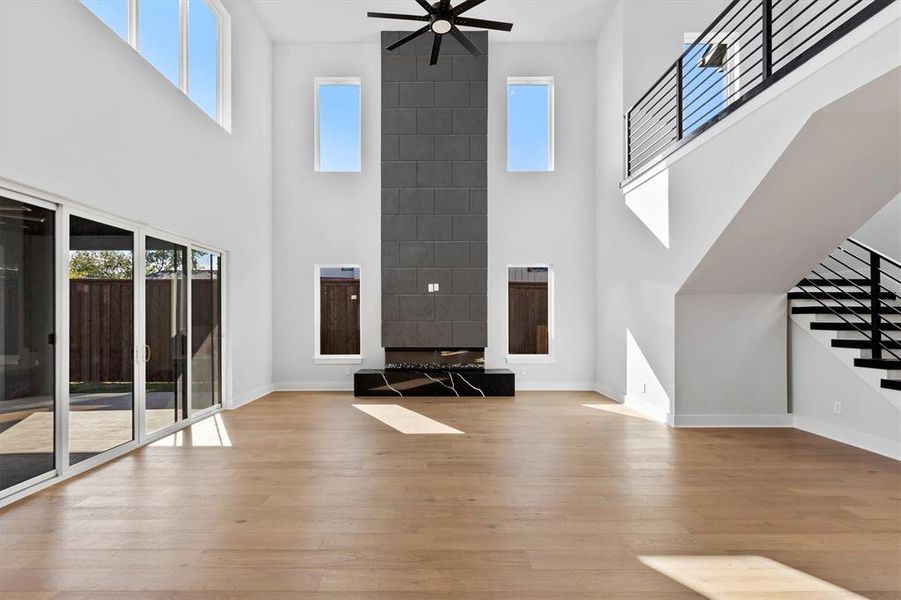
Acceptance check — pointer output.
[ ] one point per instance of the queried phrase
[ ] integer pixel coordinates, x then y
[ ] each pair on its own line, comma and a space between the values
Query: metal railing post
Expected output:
628, 144
766, 46
875, 318
679, 83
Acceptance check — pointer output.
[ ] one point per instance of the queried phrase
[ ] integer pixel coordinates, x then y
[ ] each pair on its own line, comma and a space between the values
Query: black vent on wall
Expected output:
434, 194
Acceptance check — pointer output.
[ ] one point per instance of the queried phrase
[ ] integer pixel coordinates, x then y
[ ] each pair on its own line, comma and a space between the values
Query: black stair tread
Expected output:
809, 281
860, 325
844, 310
838, 295
889, 364
865, 344
891, 384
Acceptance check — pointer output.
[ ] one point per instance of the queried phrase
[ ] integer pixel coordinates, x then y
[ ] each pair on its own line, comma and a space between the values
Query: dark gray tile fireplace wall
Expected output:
434, 194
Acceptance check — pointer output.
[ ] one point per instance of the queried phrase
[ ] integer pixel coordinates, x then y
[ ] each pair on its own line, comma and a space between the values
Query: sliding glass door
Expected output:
206, 330
101, 338
27, 330
111, 336
166, 333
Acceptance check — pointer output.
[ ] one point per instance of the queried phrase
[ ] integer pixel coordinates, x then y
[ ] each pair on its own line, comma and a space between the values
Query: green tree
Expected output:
117, 264
100, 264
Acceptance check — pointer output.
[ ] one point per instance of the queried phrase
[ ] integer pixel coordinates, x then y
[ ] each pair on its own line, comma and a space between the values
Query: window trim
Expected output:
538, 80
531, 359
318, 82
334, 359
223, 83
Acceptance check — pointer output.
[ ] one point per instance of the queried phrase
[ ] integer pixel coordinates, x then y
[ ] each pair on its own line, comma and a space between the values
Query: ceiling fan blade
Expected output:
481, 23
436, 49
425, 5
408, 38
465, 41
462, 8
380, 15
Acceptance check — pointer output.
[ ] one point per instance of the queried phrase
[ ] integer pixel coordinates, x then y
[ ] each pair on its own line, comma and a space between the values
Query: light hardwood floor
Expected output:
542, 498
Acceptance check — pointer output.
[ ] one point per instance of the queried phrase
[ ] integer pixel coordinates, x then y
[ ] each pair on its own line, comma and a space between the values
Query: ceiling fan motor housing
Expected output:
444, 19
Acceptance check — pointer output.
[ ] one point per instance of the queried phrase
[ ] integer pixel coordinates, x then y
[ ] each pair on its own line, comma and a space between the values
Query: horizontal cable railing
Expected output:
750, 45
878, 278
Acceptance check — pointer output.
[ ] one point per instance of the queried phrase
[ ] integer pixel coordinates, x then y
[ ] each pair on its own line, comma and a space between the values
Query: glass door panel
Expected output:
166, 314
206, 336
101, 338
27, 324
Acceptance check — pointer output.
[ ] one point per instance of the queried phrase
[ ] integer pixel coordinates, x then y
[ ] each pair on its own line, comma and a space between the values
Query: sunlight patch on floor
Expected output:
209, 433
621, 410
744, 577
405, 420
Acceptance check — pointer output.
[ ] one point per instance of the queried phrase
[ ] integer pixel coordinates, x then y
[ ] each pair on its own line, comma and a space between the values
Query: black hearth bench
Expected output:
399, 384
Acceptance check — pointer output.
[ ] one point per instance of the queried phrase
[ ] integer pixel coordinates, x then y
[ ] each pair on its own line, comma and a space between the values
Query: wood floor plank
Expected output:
541, 498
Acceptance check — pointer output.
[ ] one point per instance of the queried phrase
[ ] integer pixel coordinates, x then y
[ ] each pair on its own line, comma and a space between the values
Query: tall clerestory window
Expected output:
187, 41
530, 124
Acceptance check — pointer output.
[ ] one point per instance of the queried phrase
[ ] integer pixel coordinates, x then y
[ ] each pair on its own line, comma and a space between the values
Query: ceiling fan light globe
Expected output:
441, 26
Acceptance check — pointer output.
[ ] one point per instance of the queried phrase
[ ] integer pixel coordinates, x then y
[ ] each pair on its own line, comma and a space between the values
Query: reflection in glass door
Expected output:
206, 333
26, 342
101, 338
166, 314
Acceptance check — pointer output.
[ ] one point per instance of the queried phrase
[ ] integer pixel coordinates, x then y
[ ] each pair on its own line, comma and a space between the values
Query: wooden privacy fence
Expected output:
101, 328
339, 316
528, 324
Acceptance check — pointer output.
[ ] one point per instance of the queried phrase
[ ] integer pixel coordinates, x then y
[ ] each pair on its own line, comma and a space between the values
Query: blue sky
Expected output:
704, 91
528, 128
203, 55
339, 127
159, 35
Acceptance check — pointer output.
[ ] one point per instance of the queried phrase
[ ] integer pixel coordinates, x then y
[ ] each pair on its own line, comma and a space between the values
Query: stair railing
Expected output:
876, 260
874, 303
748, 47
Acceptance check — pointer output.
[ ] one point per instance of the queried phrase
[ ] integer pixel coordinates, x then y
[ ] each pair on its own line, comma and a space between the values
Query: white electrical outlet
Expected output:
347, 370
837, 408
437, 288
431, 287
525, 371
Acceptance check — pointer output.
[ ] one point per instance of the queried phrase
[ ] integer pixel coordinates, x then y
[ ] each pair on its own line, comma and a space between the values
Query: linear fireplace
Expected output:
434, 359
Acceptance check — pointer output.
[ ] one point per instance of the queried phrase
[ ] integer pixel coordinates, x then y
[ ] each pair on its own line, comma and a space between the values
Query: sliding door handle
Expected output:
146, 353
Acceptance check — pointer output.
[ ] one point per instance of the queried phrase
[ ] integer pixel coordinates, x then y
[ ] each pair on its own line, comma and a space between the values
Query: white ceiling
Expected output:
345, 20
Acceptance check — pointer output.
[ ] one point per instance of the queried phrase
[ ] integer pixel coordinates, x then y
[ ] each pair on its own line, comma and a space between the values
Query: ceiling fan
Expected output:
444, 19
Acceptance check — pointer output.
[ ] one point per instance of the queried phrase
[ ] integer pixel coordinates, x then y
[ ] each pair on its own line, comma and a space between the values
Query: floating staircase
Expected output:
856, 293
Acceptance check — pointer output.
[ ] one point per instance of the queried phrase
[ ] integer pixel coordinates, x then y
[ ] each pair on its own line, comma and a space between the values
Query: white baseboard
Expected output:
314, 386
646, 408
553, 386
248, 397
776, 420
865, 441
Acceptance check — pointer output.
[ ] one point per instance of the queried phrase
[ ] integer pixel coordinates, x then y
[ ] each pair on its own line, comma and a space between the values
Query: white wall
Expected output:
545, 217
84, 116
731, 364
820, 378
883, 231
322, 218
334, 217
